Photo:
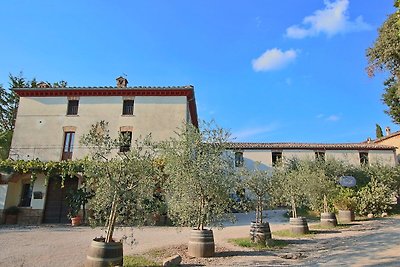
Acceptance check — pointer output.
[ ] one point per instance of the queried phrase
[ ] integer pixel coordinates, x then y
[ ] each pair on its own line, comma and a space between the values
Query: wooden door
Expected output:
56, 208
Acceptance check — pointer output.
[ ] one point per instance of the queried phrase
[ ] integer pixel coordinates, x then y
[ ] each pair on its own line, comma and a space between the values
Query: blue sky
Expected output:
269, 71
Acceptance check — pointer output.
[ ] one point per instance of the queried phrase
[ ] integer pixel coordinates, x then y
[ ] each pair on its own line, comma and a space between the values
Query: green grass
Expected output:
246, 242
135, 260
288, 233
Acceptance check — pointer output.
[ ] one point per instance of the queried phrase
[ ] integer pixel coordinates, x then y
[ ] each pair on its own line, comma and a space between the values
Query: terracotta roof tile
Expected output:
311, 146
386, 137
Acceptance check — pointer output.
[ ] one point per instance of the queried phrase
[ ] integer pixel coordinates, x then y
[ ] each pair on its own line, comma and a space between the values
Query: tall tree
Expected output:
385, 55
378, 131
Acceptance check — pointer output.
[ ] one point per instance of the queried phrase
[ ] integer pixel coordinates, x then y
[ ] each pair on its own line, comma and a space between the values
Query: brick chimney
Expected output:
387, 129
122, 82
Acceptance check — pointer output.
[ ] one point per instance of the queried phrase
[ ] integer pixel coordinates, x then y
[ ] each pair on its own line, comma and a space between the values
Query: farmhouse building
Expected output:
51, 121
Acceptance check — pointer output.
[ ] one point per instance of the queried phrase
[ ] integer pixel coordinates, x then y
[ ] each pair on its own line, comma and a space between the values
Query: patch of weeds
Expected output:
303, 212
246, 242
136, 260
289, 233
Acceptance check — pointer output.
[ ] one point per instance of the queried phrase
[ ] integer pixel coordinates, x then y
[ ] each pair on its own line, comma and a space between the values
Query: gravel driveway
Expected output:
369, 243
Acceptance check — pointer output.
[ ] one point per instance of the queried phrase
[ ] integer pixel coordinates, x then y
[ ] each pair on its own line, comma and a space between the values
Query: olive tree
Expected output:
289, 182
258, 182
123, 182
200, 176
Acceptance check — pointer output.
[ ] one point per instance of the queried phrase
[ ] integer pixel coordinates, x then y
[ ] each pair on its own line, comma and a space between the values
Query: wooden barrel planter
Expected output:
201, 243
346, 216
328, 219
260, 232
101, 254
299, 225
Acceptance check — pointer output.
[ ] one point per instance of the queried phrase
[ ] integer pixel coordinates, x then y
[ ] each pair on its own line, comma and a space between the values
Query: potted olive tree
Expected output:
258, 183
76, 200
123, 182
345, 203
200, 180
290, 181
321, 189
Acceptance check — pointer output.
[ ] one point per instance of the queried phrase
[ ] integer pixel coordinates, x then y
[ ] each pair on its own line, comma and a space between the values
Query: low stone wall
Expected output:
30, 216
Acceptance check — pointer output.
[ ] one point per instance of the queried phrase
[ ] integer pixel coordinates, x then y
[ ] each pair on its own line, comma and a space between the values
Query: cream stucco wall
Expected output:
386, 157
392, 141
40, 121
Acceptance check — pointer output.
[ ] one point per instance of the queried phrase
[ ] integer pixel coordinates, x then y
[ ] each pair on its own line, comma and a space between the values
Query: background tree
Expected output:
385, 55
378, 130
200, 176
123, 183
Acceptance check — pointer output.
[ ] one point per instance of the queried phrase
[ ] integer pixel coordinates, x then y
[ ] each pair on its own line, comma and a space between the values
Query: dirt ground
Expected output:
365, 243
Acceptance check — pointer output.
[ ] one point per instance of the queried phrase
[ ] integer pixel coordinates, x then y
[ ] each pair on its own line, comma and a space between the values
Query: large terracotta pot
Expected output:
76, 221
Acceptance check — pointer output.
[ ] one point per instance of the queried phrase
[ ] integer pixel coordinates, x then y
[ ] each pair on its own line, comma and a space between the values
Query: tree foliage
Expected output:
200, 176
378, 130
385, 55
123, 183
259, 183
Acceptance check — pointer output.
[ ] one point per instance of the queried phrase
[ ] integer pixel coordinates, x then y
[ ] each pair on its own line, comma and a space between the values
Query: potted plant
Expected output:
345, 203
122, 182
76, 200
11, 215
201, 180
290, 181
258, 183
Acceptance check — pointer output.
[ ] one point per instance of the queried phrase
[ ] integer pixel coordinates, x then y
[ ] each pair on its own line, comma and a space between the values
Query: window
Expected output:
239, 159
26, 195
68, 145
320, 156
276, 158
72, 107
127, 108
364, 158
126, 139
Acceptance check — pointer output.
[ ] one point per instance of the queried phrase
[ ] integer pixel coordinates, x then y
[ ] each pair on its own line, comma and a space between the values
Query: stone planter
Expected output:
346, 216
299, 225
260, 232
201, 243
101, 254
328, 219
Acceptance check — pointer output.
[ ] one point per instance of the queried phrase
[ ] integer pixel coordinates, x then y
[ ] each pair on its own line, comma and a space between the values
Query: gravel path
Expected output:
367, 244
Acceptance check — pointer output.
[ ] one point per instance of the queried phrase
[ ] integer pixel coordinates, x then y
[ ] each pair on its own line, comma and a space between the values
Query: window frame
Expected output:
72, 110
239, 159
320, 155
276, 157
125, 147
26, 195
68, 145
127, 110
364, 157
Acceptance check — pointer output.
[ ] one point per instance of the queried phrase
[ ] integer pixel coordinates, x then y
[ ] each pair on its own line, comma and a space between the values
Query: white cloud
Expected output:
249, 132
332, 117
273, 59
330, 21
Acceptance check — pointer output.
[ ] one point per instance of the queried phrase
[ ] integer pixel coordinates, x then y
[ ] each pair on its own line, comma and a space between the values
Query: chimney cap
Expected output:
387, 129
121, 82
